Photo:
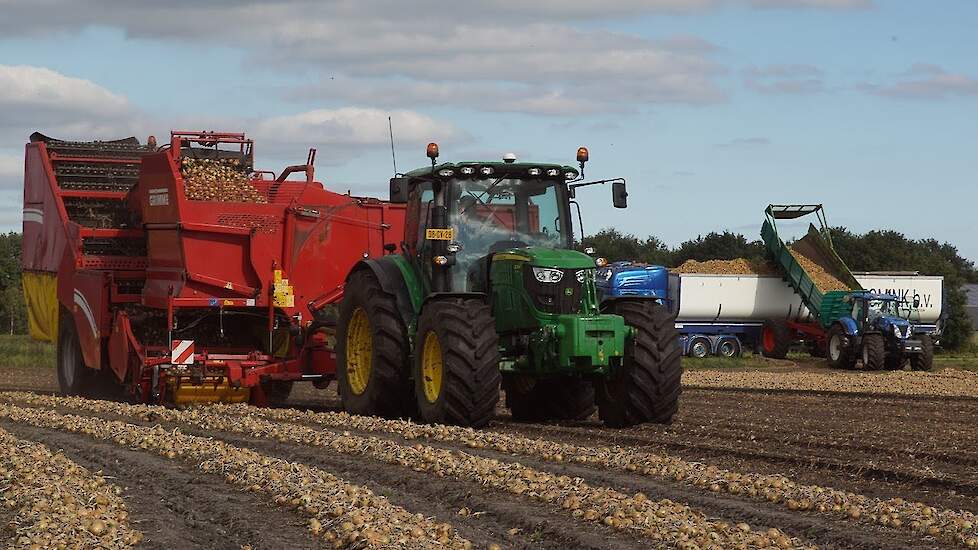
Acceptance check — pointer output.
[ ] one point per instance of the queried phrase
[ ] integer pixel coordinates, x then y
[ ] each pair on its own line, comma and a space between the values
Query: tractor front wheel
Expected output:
646, 387
371, 351
456, 372
925, 359
874, 352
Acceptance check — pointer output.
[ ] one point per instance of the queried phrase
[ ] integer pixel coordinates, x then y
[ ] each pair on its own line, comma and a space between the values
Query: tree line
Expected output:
872, 251
878, 250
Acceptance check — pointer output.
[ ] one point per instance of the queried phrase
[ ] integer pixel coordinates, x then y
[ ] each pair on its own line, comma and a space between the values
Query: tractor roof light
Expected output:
467, 170
440, 260
446, 172
601, 262
432, 151
570, 174
485, 170
534, 171
582, 155
553, 172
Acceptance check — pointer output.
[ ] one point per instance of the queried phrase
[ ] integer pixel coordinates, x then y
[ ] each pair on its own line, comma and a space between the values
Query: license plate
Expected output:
439, 234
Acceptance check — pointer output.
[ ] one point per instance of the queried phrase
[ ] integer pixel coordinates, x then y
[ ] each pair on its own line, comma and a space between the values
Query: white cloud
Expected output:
24, 87
926, 81
11, 165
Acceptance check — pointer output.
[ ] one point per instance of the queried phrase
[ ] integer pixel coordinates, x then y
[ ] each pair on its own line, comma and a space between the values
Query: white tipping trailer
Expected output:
718, 314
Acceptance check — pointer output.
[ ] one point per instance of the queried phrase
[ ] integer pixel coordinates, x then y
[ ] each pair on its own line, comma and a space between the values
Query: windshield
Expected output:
880, 308
495, 214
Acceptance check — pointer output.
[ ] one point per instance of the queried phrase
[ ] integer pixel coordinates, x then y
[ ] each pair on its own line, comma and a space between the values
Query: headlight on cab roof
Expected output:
547, 275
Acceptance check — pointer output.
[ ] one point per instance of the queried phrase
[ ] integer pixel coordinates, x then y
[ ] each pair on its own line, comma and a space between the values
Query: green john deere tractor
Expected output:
487, 291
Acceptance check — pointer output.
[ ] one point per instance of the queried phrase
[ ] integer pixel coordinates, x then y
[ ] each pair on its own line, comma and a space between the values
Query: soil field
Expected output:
755, 458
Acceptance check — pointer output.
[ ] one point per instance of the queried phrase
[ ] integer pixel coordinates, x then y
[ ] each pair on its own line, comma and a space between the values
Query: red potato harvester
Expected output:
149, 293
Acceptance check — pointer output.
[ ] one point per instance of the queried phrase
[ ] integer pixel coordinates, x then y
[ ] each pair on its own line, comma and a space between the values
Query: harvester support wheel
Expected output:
839, 351
372, 351
74, 378
874, 352
925, 359
560, 398
456, 363
776, 339
276, 391
647, 386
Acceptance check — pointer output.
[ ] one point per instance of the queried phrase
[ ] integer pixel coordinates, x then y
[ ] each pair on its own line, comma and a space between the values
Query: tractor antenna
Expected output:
390, 127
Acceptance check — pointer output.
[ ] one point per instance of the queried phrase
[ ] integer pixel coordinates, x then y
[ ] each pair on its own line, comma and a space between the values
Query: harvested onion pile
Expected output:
218, 180
60, 503
343, 514
825, 281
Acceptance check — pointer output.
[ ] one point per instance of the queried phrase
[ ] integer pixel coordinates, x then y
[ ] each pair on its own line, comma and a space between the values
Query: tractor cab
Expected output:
461, 214
885, 338
880, 312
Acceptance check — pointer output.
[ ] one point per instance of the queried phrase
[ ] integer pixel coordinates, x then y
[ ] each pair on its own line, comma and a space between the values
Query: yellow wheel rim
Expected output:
359, 351
432, 367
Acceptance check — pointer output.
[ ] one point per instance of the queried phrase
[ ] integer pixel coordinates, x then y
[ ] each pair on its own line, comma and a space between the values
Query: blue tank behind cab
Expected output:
698, 339
633, 279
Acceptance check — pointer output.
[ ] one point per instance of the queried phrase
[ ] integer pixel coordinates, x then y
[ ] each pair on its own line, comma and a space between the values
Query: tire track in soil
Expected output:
176, 506
818, 529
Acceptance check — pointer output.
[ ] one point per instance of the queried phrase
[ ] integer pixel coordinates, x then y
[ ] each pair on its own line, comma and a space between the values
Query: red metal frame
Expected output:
203, 255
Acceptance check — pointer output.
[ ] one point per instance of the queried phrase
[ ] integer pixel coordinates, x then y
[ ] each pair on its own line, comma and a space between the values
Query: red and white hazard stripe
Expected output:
182, 352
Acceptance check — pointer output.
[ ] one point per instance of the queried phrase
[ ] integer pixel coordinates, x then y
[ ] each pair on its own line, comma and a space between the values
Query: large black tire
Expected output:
457, 340
647, 386
74, 378
378, 359
729, 347
925, 359
839, 356
277, 391
776, 338
562, 398
874, 352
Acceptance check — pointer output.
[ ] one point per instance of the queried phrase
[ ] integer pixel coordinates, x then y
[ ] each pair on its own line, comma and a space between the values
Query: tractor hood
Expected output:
550, 257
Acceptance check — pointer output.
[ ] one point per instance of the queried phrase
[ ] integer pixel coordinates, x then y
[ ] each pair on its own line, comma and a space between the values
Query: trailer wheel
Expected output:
776, 339
700, 348
729, 347
925, 359
371, 351
874, 352
839, 353
74, 378
647, 386
456, 376
561, 398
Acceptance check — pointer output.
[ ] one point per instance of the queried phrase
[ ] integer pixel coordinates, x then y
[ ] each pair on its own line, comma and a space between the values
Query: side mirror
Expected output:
619, 195
399, 190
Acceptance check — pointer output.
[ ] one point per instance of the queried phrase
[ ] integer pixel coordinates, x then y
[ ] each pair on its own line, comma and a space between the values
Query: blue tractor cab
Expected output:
633, 279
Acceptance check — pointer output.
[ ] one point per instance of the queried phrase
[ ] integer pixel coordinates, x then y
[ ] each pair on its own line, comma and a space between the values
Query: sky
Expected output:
710, 109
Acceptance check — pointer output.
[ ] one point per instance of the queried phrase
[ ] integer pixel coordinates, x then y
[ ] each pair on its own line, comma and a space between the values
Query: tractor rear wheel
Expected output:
775, 339
874, 352
839, 353
456, 372
372, 351
561, 398
925, 359
646, 387
74, 378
